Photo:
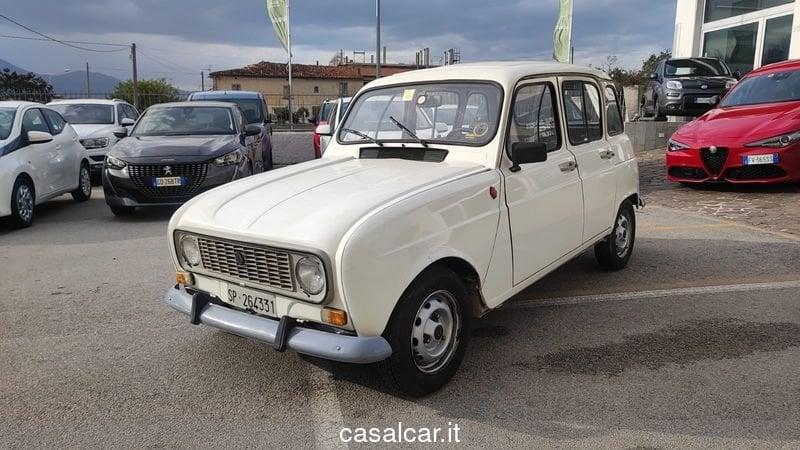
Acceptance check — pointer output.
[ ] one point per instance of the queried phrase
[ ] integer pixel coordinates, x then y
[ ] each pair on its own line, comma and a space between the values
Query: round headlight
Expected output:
310, 274
190, 250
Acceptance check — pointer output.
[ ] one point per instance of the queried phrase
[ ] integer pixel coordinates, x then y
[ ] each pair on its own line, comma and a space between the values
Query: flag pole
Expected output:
289, 44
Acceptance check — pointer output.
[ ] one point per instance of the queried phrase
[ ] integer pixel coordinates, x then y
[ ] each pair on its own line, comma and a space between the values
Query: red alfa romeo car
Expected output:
752, 136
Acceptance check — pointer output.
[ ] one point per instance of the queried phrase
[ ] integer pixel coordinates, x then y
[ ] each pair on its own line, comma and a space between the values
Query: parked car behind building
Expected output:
427, 224
40, 158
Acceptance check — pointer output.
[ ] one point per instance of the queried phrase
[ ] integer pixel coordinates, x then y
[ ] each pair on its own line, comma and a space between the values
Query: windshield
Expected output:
695, 68
185, 121
82, 114
456, 113
769, 88
251, 107
6, 121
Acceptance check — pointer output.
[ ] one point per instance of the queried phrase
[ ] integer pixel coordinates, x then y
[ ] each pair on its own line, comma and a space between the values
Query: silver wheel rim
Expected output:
24, 203
622, 235
86, 181
434, 336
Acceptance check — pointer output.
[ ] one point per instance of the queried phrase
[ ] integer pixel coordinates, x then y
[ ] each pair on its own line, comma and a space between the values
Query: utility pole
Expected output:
202, 81
378, 39
88, 84
289, 44
135, 77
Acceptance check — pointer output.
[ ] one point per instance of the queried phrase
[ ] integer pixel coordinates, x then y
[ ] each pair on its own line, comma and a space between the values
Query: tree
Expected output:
150, 92
28, 86
626, 77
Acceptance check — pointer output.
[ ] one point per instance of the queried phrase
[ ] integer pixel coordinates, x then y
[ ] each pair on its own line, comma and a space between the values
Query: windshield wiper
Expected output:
363, 135
407, 130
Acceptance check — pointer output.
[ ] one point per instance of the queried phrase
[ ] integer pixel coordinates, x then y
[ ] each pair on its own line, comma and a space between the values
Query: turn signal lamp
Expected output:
184, 278
335, 317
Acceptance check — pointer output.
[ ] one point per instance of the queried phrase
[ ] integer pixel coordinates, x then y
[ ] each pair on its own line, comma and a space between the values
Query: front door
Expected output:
544, 199
40, 156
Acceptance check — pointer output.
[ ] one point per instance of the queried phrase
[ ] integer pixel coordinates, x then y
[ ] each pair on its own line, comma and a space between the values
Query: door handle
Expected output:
568, 166
607, 154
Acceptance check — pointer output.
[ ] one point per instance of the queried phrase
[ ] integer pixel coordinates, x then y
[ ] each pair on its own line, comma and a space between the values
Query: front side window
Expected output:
613, 112
768, 88
534, 118
582, 109
185, 121
34, 121
455, 113
736, 46
57, 122
80, 114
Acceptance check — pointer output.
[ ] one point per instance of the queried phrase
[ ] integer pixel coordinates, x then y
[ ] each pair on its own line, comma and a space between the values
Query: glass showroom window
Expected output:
736, 46
722, 9
777, 39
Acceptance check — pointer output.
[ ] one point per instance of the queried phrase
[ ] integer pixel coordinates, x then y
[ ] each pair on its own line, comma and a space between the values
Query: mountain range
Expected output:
72, 82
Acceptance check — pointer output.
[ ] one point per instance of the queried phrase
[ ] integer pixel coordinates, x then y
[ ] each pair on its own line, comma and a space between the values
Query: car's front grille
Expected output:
755, 172
143, 175
688, 173
264, 266
714, 160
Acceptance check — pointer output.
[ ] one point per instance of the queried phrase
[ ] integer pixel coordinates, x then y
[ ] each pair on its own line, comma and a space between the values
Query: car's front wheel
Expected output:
84, 190
428, 333
614, 252
23, 202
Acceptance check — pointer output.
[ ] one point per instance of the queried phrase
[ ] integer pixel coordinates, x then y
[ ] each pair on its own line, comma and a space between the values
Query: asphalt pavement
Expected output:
696, 343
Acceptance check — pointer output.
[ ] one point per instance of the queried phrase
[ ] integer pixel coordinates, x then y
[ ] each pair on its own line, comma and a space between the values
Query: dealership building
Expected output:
746, 34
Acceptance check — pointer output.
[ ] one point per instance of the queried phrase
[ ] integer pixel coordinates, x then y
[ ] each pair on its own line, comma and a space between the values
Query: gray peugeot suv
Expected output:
686, 87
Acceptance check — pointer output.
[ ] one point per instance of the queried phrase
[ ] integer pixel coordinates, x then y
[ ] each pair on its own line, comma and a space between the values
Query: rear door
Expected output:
583, 107
544, 199
68, 150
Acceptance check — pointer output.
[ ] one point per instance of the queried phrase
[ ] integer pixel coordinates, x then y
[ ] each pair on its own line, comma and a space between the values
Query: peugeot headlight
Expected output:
310, 274
675, 146
95, 143
673, 84
777, 141
190, 250
229, 159
115, 163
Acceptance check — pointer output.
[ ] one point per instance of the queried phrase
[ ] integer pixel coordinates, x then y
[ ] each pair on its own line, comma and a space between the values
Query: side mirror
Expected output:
39, 137
324, 130
127, 121
527, 153
737, 74
653, 76
252, 130
120, 132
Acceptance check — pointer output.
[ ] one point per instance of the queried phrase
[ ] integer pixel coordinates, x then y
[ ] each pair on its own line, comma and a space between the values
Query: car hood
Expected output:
93, 130
742, 124
313, 204
181, 148
699, 82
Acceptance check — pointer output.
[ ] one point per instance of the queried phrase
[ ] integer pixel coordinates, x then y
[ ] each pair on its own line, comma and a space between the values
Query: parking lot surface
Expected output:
697, 343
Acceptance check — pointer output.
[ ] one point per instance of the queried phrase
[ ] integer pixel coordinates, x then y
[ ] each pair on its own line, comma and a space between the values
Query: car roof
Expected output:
507, 73
195, 104
86, 101
17, 104
782, 66
231, 94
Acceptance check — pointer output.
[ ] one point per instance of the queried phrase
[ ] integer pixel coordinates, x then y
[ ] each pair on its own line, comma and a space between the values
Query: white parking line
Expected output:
658, 293
326, 412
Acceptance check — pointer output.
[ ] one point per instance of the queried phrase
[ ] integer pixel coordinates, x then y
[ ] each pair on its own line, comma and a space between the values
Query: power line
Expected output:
28, 38
167, 64
50, 38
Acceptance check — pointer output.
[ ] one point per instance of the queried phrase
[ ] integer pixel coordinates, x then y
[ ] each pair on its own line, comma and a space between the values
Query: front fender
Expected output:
384, 252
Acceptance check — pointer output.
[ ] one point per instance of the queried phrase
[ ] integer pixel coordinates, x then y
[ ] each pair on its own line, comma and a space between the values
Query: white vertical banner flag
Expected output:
276, 10
562, 36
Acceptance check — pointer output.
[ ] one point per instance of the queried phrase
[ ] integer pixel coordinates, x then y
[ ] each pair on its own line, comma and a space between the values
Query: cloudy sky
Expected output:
179, 38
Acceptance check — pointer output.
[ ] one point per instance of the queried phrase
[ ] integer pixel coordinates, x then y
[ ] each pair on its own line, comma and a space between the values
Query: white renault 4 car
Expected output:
40, 158
409, 228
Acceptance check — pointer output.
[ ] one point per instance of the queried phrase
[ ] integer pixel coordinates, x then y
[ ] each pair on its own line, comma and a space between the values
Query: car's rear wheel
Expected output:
614, 252
84, 190
122, 211
428, 333
23, 202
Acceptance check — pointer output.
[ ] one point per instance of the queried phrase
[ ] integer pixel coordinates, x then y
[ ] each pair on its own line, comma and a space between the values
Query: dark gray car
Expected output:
685, 87
176, 151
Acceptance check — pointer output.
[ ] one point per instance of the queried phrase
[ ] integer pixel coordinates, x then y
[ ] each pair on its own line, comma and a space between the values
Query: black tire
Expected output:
658, 115
84, 190
122, 211
438, 295
23, 203
614, 252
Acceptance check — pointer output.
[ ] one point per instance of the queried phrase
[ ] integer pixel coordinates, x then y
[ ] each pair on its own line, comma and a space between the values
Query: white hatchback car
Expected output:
443, 194
40, 158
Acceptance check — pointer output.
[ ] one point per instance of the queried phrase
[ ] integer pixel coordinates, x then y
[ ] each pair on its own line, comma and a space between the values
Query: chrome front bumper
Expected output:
322, 344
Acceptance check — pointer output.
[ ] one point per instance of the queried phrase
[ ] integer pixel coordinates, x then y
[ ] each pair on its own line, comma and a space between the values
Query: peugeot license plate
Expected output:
250, 300
751, 160
167, 181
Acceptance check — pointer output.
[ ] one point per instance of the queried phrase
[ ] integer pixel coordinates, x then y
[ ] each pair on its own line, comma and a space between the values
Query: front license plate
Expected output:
704, 100
751, 160
167, 181
250, 300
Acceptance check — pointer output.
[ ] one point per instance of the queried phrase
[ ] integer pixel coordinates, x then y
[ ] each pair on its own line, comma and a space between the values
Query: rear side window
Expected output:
534, 117
34, 121
613, 112
57, 123
582, 109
